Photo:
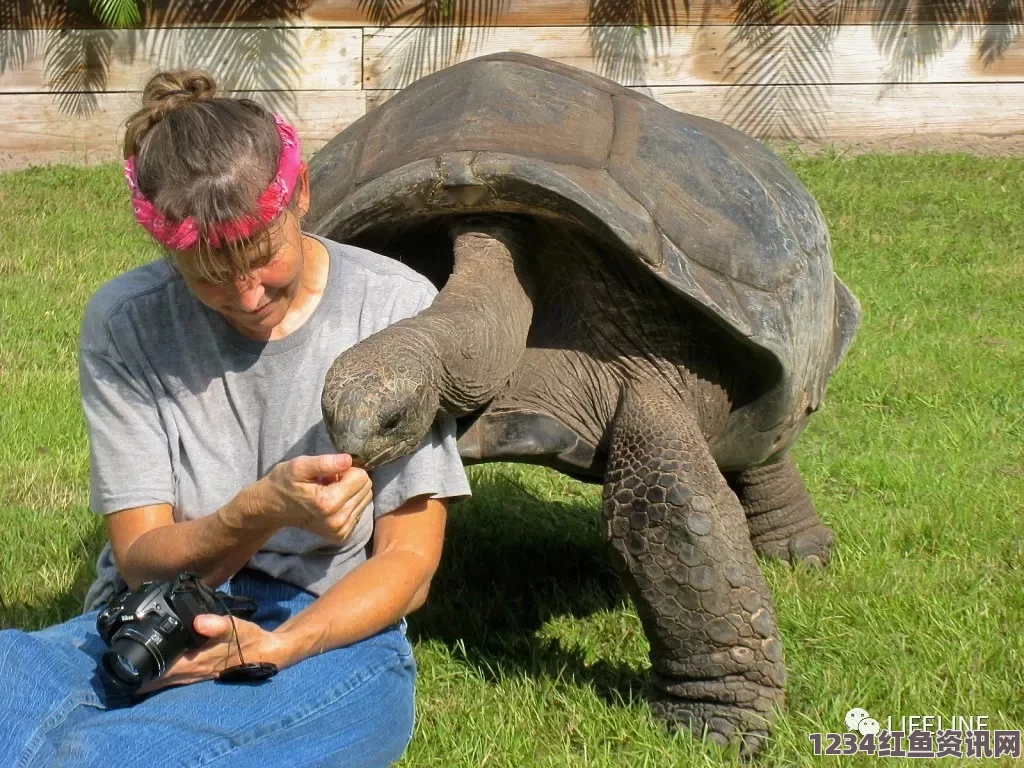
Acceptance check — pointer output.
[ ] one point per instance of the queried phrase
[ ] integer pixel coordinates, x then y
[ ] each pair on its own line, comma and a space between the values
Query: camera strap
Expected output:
236, 605
245, 672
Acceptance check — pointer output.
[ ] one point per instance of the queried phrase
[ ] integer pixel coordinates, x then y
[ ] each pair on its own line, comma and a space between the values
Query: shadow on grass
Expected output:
513, 562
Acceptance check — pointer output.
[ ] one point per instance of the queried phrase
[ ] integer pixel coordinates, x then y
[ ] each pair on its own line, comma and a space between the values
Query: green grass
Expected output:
529, 653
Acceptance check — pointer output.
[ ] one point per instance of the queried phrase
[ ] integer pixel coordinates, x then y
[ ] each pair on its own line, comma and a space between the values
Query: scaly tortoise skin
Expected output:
636, 296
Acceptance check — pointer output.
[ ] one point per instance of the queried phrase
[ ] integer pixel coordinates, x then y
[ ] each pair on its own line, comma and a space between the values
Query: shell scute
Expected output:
495, 106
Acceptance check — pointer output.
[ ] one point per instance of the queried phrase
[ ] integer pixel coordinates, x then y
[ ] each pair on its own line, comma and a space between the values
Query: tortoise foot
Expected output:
722, 724
813, 547
781, 517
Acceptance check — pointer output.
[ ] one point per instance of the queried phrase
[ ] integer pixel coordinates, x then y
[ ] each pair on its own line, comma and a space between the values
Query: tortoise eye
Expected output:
392, 420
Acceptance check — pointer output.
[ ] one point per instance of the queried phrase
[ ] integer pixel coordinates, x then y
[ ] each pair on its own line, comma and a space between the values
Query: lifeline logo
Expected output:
966, 737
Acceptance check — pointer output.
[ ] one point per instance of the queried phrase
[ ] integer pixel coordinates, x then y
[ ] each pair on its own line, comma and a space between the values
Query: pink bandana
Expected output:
184, 234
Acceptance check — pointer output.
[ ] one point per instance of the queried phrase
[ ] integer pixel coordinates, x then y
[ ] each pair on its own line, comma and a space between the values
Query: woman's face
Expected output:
256, 304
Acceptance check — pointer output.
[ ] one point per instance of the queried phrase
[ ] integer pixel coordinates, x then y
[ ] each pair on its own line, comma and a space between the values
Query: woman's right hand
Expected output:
324, 495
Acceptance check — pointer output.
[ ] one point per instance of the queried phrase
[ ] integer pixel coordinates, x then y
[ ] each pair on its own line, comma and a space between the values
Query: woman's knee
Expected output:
378, 716
48, 688
371, 709
56, 663
33, 656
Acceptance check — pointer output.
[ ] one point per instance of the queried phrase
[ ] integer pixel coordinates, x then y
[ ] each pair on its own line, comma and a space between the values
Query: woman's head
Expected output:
220, 183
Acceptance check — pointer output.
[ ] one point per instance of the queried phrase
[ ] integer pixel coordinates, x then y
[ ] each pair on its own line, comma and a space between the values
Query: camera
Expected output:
148, 628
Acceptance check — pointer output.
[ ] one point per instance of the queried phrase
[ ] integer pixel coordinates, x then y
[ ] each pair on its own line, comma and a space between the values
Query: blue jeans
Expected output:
349, 707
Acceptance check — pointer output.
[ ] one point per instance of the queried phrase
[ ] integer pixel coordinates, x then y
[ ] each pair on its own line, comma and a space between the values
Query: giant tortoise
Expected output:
630, 295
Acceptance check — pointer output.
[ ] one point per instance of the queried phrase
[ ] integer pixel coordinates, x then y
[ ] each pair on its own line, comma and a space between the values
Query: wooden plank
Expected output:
37, 14
37, 131
852, 113
922, 116
241, 59
713, 55
927, 115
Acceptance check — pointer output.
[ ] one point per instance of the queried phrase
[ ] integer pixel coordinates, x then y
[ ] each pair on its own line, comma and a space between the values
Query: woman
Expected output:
200, 378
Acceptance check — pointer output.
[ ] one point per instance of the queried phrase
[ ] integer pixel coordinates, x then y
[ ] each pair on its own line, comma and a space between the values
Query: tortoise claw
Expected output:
812, 547
722, 724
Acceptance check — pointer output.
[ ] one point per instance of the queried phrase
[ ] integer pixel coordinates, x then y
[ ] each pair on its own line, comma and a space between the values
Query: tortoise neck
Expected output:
479, 322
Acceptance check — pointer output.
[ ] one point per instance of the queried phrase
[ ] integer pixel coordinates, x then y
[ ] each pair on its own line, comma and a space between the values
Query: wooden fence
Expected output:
843, 72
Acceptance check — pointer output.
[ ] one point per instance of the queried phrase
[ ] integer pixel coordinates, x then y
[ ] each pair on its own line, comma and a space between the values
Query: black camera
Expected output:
148, 628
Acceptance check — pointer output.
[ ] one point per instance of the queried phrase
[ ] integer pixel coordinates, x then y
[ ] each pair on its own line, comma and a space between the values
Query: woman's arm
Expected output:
148, 544
392, 583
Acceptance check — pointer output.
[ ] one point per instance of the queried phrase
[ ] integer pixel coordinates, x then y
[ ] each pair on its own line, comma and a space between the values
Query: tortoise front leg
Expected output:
680, 539
781, 517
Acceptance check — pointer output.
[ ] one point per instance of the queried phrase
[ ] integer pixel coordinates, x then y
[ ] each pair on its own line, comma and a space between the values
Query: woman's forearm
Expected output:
322, 494
392, 583
214, 547
371, 597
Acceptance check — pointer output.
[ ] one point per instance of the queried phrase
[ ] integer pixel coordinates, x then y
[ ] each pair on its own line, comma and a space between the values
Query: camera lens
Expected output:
129, 662
125, 669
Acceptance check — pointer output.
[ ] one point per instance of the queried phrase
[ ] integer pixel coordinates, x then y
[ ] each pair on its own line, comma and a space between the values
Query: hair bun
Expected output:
170, 89
163, 94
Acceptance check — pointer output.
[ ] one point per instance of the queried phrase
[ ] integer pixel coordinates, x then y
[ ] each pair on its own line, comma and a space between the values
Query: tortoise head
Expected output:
382, 395
379, 399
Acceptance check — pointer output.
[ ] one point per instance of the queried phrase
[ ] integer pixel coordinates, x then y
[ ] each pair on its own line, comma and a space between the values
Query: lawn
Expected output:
529, 652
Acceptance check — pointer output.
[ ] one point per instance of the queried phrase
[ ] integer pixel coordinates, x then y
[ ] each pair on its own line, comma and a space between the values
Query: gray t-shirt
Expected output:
183, 409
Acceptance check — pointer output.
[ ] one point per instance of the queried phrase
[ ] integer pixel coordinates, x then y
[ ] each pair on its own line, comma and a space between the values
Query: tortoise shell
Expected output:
706, 209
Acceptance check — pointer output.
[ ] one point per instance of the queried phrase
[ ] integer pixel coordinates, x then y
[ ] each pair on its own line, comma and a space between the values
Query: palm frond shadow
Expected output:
914, 33
625, 35
77, 63
996, 39
258, 63
512, 563
435, 34
781, 58
255, 61
382, 13
251, 59
779, 53
22, 31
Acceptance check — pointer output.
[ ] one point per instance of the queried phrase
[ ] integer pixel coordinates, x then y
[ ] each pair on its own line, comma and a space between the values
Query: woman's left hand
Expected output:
221, 652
